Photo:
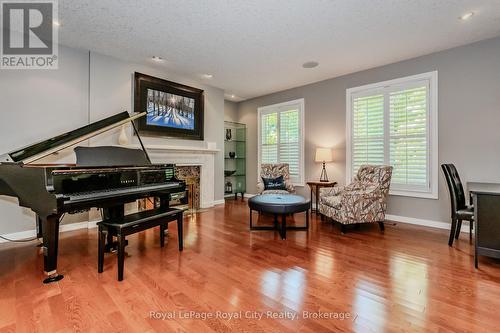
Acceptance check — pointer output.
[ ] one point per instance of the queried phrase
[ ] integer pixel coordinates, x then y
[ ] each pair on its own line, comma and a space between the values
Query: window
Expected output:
281, 137
395, 123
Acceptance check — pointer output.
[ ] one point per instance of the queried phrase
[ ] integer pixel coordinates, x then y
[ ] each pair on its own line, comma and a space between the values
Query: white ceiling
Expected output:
255, 47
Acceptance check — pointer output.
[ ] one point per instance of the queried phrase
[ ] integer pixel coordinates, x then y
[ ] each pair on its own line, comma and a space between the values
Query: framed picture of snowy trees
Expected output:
173, 109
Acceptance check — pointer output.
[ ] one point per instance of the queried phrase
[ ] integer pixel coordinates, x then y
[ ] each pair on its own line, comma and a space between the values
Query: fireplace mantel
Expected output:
181, 149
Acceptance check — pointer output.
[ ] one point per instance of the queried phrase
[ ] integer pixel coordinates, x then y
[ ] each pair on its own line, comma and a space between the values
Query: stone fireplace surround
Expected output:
190, 156
191, 175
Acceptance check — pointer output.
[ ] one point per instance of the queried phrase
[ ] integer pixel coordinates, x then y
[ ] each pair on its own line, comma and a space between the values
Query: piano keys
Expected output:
103, 177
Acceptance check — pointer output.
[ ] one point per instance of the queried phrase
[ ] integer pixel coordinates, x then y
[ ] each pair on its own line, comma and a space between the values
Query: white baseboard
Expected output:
73, 226
219, 202
425, 223
19, 235
62, 228
92, 224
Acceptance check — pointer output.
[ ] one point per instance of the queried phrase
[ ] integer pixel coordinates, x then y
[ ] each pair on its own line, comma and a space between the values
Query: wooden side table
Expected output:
315, 186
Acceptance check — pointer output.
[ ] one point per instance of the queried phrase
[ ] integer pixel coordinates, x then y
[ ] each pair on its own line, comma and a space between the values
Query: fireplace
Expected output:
201, 159
190, 200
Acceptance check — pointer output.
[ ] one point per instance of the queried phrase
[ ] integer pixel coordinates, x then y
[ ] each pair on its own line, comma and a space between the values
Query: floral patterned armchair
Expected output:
273, 171
362, 201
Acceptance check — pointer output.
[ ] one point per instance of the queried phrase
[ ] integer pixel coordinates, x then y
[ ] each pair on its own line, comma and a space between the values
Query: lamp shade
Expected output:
323, 155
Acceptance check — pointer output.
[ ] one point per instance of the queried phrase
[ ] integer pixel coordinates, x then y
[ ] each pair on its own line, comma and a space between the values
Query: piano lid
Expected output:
44, 148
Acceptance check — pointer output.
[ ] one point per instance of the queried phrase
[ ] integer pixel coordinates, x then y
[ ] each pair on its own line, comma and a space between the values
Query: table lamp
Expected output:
323, 155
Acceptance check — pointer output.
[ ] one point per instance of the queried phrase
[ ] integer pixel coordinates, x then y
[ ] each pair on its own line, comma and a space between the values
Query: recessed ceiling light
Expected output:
232, 96
56, 23
207, 76
157, 59
310, 64
466, 16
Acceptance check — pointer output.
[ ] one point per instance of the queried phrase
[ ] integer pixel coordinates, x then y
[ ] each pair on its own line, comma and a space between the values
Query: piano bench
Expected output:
133, 223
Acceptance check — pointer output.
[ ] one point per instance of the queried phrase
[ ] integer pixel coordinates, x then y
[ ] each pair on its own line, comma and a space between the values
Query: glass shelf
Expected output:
236, 132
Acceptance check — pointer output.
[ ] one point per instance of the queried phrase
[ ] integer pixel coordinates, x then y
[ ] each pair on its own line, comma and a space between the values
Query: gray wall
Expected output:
469, 120
38, 104
230, 111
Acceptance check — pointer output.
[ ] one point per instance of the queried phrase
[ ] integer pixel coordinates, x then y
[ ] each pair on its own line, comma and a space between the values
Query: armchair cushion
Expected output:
333, 201
275, 192
329, 191
369, 191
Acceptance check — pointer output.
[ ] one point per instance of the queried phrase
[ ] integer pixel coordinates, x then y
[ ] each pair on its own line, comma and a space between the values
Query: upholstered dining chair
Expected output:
269, 170
459, 209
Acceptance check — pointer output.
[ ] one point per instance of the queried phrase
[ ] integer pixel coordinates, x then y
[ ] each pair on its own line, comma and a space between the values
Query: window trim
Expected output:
432, 78
267, 109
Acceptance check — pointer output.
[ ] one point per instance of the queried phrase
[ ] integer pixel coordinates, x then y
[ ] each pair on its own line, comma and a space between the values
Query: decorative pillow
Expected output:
277, 183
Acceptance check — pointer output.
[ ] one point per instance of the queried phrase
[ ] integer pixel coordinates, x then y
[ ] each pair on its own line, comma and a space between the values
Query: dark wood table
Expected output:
315, 186
486, 199
279, 204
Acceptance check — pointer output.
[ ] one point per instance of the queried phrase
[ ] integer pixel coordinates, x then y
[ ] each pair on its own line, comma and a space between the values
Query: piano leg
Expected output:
39, 233
50, 231
39, 229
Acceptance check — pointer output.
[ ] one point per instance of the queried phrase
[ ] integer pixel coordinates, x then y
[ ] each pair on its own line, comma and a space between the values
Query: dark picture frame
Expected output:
147, 86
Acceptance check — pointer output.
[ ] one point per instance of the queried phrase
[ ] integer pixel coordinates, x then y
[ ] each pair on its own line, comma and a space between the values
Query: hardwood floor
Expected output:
406, 279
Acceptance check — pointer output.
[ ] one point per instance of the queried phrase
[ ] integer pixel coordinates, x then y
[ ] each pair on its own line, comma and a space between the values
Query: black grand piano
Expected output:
103, 177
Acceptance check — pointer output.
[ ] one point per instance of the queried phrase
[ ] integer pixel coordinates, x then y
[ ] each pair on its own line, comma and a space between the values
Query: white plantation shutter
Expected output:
269, 138
408, 137
280, 137
395, 123
367, 131
289, 148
